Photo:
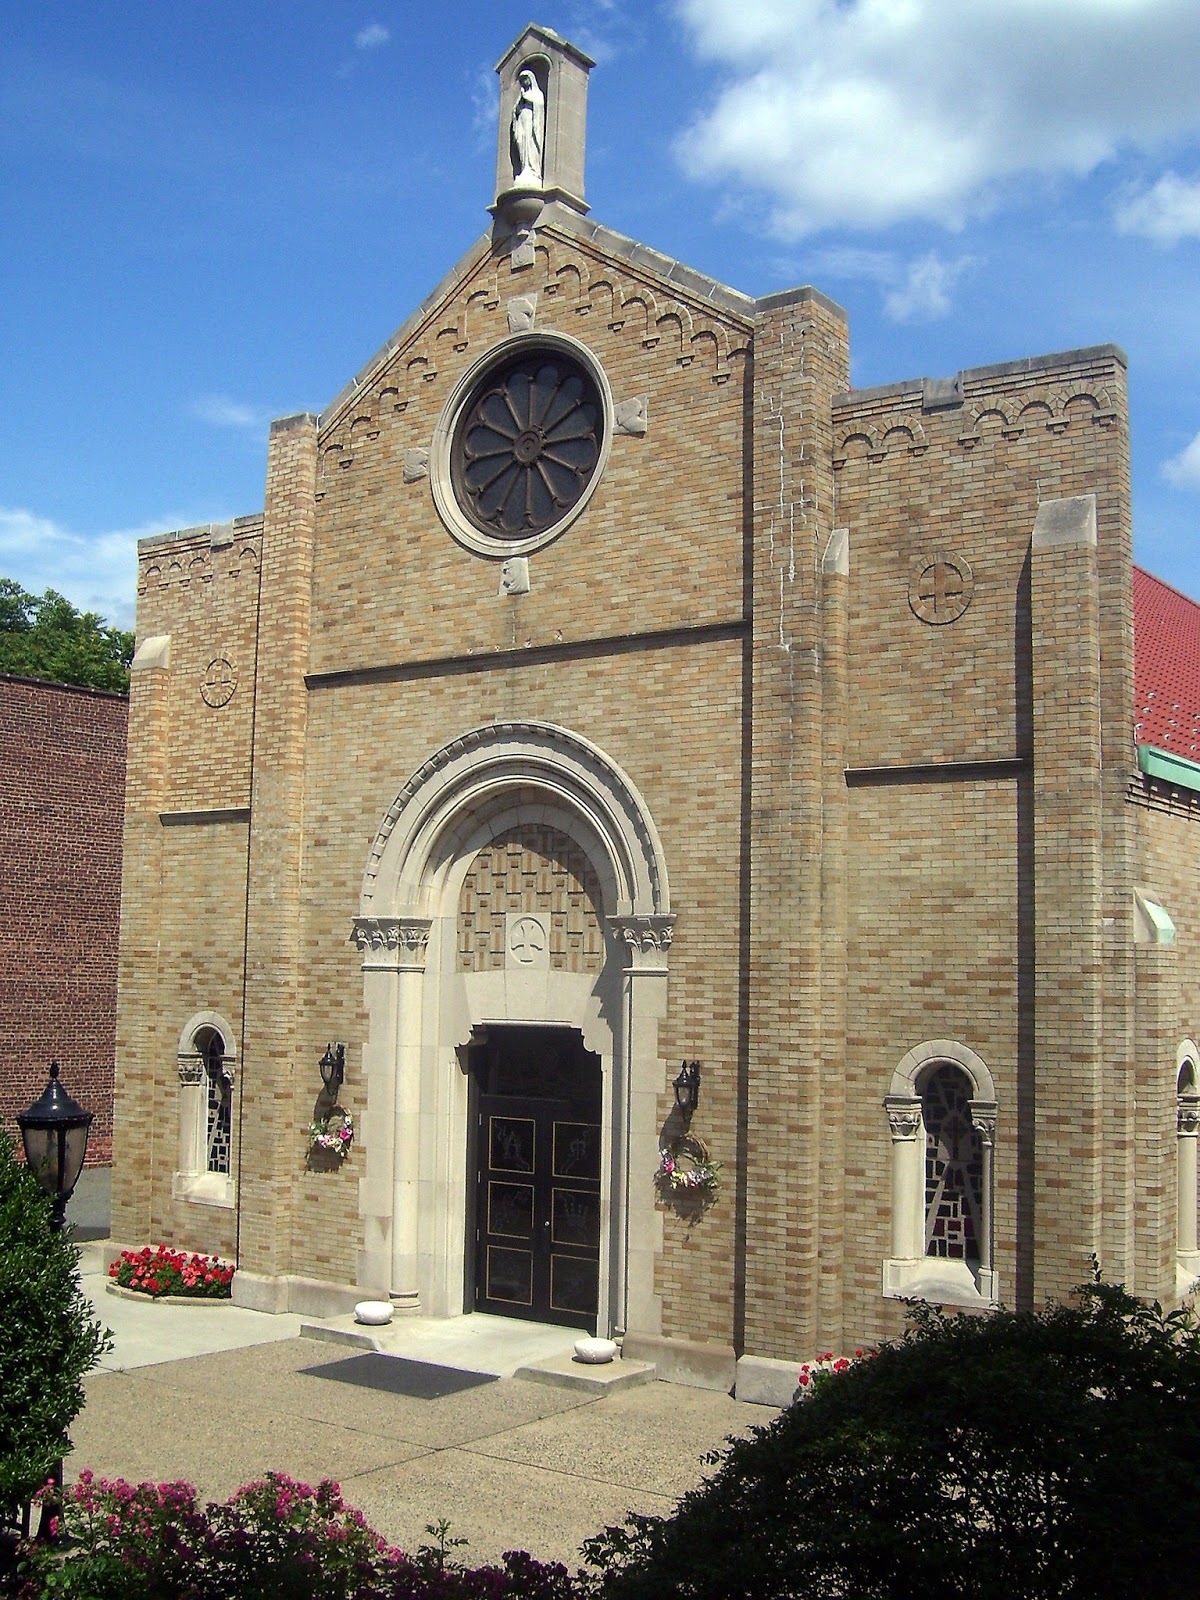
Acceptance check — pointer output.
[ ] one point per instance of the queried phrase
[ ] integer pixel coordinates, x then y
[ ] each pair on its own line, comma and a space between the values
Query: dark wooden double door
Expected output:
537, 1096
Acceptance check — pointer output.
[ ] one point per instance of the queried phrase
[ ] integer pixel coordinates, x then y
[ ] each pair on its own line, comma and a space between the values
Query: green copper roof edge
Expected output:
1166, 764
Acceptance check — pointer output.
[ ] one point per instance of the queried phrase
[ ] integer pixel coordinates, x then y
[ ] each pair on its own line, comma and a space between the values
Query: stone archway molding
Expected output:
419, 1008
472, 771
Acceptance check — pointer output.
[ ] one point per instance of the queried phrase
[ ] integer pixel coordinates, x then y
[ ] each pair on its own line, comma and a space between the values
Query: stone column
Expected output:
983, 1119
636, 1305
393, 951
908, 1176
1187, 1127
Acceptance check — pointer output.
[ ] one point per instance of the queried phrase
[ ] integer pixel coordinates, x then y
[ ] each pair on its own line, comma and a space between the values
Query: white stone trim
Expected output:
571, 776
422, 1011
192, 1181
1187, 1128
909, 1273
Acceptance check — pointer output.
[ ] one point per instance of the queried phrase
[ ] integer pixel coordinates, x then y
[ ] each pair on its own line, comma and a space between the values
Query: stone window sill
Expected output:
941, 1282
204, 1189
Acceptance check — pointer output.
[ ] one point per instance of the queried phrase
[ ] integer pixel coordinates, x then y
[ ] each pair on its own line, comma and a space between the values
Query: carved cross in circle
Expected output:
527, 940
218, 683
940, 588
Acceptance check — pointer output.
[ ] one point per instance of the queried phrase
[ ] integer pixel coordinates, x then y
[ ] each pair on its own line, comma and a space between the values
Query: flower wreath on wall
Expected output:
331, 1135
686, 1171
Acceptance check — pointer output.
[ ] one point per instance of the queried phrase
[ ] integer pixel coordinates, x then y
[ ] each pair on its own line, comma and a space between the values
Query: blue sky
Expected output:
215, 213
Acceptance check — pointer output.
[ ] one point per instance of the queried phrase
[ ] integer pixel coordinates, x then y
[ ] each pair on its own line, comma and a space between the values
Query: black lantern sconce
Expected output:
687, 1087
54, 1132
333, 1070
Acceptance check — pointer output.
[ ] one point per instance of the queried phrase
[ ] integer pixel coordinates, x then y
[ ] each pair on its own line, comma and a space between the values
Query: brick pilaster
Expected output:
274, 1077
800, 362
139, 1117
1067, 847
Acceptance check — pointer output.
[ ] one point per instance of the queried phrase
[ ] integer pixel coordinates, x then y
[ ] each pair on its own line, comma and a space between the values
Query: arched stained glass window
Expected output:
210, 1047
953, 1167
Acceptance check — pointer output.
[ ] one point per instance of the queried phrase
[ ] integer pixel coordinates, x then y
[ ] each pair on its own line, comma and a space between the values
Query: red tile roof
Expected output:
1166, 667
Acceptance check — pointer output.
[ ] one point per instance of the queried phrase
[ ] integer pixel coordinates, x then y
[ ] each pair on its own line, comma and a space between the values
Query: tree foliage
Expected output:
1033, 1455
46, 637
48, 1338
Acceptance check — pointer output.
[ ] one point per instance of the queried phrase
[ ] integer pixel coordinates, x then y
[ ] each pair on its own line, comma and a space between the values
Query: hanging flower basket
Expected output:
332, 1135
686, 1171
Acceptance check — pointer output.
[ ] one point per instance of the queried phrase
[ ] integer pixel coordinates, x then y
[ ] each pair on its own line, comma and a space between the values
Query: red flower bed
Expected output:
164, 1271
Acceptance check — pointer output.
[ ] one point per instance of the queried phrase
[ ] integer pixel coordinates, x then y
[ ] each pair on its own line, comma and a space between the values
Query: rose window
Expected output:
527, 444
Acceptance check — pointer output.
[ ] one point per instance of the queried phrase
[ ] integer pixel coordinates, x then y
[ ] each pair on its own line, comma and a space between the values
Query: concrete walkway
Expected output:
217, 1395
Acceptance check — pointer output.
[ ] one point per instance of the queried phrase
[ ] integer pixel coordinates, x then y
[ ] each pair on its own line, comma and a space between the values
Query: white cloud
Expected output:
863, 113
1183, 471
372, 37
1166, 213
916, 291
924, 295
222, 412
96, 572
485, 107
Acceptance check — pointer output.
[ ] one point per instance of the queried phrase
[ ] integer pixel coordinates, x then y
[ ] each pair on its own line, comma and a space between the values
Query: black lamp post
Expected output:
333, 1069
687, 1087
54, 1132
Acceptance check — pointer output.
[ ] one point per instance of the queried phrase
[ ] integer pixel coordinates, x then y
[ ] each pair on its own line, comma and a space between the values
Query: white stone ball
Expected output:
594, 1350
373, 1312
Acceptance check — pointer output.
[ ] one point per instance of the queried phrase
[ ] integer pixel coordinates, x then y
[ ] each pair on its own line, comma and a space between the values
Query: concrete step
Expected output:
564, 1372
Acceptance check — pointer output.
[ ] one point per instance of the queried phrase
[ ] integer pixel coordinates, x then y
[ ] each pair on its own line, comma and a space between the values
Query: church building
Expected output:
639, 835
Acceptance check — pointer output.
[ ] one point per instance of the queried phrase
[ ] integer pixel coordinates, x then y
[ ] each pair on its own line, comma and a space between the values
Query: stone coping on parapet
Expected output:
565, 221
939, 389
215, 534
67, 688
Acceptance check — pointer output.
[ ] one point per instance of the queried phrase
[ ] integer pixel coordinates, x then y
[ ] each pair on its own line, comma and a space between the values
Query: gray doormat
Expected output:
418, 1380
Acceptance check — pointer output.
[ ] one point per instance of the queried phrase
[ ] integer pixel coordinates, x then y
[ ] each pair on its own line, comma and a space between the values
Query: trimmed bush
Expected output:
1031, 1455
49, 1340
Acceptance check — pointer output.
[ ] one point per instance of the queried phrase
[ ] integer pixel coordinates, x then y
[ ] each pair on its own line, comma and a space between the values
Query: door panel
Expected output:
537, 1159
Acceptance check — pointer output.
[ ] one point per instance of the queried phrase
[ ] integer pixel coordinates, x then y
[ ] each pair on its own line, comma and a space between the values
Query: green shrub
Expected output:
1027, 1455
48, 1339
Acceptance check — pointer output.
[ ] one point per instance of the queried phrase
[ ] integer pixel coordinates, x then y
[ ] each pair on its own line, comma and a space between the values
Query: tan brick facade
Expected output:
810, 740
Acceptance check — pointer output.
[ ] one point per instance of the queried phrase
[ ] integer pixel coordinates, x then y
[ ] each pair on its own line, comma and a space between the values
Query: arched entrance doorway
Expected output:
514, 926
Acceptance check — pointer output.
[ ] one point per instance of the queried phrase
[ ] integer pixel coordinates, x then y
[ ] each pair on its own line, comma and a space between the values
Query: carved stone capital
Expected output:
983, 1120
646, 939
1187, 1117
192, 1070
392, 941
904, 1117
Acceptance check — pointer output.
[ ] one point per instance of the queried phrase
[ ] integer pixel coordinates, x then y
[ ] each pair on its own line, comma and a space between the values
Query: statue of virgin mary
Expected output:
528, 131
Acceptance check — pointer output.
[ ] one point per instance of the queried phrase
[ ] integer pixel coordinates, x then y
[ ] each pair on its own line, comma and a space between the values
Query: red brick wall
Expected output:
62, 795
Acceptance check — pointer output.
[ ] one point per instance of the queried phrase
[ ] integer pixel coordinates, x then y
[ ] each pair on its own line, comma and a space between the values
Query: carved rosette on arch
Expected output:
646, 940
397, 942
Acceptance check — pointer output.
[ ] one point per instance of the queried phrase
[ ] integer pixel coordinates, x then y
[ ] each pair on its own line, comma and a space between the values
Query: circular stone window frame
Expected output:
457, 523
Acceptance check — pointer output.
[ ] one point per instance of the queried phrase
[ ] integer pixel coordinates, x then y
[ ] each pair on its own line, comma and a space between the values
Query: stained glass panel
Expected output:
953, 1167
